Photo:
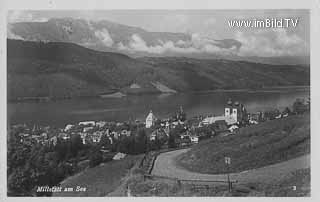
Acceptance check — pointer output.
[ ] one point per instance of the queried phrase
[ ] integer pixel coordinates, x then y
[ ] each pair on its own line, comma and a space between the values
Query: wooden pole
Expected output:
228, 174
229, 187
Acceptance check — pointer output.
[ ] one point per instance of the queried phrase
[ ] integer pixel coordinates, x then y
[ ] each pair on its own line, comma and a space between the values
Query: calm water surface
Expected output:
62, 112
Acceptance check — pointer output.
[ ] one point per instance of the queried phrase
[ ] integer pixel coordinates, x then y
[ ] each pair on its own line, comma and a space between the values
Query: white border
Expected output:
313, 5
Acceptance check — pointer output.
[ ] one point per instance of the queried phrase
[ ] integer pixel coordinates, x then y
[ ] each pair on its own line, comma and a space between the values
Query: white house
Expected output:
233, 128
100, 124
96, 136
125, 133
253, 121
85, 123
150, 120
86, 129
64, 136
68, 127
83, 137
115, 135
278, 117
228, 119
153, 136
194, 139
119, 156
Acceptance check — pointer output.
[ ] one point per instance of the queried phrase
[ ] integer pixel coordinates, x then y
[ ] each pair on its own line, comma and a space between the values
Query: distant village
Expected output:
191, 130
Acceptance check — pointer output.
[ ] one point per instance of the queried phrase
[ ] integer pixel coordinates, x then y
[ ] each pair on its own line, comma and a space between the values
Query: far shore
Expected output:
253, 90
121, 95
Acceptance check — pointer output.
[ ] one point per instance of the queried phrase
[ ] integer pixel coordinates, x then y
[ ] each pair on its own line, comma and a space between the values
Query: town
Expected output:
191, 130
88, 143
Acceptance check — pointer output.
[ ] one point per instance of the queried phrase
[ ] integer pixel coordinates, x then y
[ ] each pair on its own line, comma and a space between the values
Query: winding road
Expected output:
165, 166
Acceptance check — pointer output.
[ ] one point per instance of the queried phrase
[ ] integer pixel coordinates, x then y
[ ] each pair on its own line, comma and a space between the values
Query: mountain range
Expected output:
64, 70
136, 42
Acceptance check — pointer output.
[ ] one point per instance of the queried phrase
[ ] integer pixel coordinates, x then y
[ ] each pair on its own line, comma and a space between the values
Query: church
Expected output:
235, 111
150, 120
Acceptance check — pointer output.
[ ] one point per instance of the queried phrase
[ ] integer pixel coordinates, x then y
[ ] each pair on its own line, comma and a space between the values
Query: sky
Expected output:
292, 41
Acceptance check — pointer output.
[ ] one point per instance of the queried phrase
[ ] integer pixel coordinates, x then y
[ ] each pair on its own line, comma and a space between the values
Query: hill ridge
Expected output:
63, 70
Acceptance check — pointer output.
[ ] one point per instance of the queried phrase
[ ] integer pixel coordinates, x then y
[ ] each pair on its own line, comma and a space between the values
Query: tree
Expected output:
299, 107
105, 141
286, 111
62, 149
308, 104
126, 145
172, 140
141, 142
95, 159
76, 144
155, 144
19, 181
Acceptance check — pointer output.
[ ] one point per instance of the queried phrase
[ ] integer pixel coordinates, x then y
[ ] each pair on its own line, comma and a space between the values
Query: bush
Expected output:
137, 171
95, 159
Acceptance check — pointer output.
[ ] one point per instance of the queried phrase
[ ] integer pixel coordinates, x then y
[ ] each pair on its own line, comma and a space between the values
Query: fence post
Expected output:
229, 183
179, 183
227, 161
182, 190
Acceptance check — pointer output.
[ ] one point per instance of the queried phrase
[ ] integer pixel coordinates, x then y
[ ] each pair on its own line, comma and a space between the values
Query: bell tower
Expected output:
228, 108
235, 114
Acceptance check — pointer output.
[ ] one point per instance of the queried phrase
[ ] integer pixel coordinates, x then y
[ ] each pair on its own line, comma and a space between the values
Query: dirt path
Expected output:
165, 166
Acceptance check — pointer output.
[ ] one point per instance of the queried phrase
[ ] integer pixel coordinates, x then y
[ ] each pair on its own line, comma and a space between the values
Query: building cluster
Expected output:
258, 117
190, 130
161, 128
90, 132
234, 114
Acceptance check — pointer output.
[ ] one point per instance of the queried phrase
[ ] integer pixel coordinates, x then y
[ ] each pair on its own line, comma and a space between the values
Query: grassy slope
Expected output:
101, 179
284, 187
224, 74
256, 146
80, 70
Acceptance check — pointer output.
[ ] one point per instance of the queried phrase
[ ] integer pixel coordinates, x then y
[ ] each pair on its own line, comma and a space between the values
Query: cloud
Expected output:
11, 35
197, 44
20, 16
270, 43
138, 44
258, 42
23, 16
263, 43
209, 22
174, 23
104, 36
228, 44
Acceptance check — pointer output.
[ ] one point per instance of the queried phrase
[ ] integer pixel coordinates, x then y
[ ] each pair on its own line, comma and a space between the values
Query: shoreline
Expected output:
119, 95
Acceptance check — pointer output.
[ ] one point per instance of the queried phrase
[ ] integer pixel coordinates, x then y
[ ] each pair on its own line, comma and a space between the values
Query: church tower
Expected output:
150, 120
228, 108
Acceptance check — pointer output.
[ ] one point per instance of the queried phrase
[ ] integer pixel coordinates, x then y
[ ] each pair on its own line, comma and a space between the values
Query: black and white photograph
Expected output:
158, 103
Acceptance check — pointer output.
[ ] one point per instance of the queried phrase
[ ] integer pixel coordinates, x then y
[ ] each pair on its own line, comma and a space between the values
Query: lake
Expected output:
62, 112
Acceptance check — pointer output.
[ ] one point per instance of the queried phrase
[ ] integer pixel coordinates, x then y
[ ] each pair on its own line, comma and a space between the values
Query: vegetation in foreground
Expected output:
255, 146
34, 162
100, 180
295, 184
